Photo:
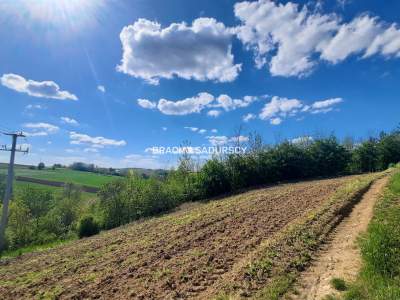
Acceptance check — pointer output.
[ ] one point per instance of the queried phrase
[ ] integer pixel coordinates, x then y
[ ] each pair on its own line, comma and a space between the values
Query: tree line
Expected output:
131, 198
39, 216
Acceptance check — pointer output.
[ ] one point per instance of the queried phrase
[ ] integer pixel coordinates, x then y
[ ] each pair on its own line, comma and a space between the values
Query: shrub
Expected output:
213, 178
87, 227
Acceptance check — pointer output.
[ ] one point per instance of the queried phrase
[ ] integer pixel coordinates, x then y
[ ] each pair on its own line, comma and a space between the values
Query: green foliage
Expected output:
37, 217
365, 157
41, 166
338, 284
213, 178
20, 225
328, 157
87, 227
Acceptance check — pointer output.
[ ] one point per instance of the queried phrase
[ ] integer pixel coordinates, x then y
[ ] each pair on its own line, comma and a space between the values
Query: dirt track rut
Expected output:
340, 256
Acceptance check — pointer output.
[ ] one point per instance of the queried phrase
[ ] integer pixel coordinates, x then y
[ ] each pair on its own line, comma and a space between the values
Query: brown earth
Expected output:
340, 256
177, 256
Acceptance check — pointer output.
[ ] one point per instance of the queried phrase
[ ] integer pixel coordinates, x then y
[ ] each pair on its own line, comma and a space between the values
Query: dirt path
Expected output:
340, 257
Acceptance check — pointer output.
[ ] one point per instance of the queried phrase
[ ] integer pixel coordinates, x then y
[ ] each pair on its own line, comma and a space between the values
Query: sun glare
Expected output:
72, 13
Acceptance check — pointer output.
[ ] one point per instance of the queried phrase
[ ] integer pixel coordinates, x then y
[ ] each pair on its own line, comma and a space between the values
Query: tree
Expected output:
37, 200
365, 157
41, 166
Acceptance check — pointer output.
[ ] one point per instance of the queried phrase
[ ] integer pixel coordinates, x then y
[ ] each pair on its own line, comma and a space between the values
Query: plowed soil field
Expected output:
184, 254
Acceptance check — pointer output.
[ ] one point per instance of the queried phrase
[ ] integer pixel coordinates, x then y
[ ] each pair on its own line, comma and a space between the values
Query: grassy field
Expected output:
199, 251
63, 175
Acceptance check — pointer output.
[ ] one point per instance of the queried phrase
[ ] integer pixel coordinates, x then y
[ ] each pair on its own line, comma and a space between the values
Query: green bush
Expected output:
87, 227
213, 178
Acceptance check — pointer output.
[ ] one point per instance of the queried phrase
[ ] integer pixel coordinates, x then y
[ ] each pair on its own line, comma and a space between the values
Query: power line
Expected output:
10, 179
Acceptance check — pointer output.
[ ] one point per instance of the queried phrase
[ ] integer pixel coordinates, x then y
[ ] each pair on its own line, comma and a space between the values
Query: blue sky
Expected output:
102, 81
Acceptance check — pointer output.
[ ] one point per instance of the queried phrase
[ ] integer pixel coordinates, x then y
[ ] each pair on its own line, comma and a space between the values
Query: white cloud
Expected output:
291, 39
187, 106
198, 103
69, 121
352, 38
43, 89
227, 103
96, 142
200, 51
34, 106
217, 140
302, 140
221, 140
194, 129
90, 150
248, 117
214, 130
324, 106
214, 113
280, 108
276, 121
101, 88
40, 129
164, 128
146, 103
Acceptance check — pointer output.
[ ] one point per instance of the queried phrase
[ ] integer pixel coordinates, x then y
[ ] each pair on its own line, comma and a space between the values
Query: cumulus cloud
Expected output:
248, 117
214, 113
323, 106
280, 108
33, 106
194, 129
69, 121
42, 89
101, 88
146, 103
40, 129
198, 103
227, 103
221, 140
200, 51
291, 39
302, 140
186, 106
96, 142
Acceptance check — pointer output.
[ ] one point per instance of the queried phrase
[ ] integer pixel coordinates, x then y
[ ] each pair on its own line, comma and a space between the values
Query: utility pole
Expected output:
10, 179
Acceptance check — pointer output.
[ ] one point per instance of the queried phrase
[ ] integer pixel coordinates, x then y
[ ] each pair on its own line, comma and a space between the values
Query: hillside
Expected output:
62, 174
195, 252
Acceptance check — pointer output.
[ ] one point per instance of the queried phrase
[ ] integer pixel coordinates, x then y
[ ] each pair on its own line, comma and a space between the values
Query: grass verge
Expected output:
34, 248
379, 277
